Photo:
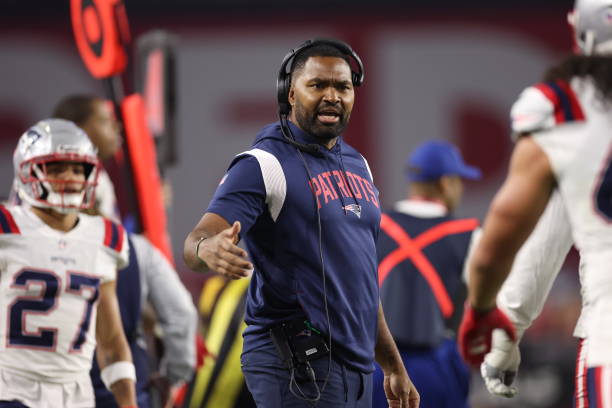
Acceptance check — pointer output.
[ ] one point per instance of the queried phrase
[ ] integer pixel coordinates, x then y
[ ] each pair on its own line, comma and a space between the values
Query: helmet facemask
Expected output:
42, 190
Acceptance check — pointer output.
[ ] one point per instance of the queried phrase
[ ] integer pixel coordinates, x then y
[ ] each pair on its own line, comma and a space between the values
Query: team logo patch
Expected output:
31, 137
354, 208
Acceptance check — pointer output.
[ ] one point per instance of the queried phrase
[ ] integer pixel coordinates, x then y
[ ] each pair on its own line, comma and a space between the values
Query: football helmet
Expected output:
55, 140
591, 21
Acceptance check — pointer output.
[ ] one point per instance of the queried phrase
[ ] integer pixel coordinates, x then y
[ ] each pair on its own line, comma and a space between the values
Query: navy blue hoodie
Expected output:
269, 191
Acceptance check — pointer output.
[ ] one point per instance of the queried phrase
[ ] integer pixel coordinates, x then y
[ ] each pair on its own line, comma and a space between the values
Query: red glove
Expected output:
476, 330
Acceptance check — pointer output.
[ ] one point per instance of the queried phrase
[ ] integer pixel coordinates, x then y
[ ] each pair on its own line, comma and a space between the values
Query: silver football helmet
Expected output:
55, 140
592, 24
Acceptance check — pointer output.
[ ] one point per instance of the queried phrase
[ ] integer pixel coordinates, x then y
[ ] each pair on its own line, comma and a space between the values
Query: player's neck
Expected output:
56, 220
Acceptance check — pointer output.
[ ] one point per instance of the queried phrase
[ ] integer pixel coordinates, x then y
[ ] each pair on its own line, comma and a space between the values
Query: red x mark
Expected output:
412, 249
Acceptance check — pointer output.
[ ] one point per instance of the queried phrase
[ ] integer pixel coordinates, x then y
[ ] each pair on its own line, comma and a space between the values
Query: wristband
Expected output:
197, 251
118, 371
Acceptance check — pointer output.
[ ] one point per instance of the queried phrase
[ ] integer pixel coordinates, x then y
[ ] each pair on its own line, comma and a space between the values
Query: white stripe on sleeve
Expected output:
274, 180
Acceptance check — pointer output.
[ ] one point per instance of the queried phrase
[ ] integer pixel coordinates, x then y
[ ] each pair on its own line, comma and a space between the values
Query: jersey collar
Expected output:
421, 208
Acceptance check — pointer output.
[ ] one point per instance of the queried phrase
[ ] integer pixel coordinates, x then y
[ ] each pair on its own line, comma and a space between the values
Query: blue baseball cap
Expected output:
436, 158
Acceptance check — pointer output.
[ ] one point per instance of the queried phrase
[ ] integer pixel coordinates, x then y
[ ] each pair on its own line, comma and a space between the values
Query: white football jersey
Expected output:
49, 287
573, 126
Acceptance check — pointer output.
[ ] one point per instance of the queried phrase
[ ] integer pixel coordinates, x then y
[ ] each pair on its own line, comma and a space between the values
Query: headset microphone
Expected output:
311, 148
307, 148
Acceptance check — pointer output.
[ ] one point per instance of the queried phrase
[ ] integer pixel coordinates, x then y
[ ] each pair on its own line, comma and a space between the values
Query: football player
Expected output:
563, 126
57, 277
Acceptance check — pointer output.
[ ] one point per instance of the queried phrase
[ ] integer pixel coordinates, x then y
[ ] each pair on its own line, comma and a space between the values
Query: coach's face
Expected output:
322, 97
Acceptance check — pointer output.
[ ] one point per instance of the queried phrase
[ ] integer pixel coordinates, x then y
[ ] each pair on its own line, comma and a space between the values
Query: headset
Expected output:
283, 84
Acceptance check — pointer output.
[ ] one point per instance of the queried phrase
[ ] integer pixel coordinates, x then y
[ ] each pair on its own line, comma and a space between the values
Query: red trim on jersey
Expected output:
581, 394
7, 222
574, 103
599, 390
554, 99
108, 234
412, 249
555, 92
113, 235
121, 232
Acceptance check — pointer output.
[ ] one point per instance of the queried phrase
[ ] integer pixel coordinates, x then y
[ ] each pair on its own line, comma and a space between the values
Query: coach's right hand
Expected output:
222, 255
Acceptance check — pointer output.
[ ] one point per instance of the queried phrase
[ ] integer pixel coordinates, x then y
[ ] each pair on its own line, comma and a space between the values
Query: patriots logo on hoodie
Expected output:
354, 208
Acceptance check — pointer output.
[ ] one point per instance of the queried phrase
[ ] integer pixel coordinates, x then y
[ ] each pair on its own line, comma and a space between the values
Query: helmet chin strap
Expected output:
61, 202
64, 202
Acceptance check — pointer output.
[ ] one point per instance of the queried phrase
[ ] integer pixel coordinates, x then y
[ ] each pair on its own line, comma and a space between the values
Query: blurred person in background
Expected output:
422, 250
563, 146
58, 270
538, 262
149, 282
304, 202
96, 117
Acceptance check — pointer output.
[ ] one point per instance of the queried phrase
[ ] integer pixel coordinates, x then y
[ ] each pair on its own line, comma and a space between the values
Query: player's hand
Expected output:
400, 390
501, 365
222, 255
475, 333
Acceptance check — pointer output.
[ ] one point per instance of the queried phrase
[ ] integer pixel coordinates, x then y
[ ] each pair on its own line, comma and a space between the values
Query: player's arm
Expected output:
113, 352
523, 294
398, 387
536, 266
512, 216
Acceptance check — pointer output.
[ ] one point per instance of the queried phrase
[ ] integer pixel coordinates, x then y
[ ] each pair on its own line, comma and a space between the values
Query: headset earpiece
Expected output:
283, 83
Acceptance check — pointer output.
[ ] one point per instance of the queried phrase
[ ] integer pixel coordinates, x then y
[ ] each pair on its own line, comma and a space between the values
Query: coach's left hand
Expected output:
400, 390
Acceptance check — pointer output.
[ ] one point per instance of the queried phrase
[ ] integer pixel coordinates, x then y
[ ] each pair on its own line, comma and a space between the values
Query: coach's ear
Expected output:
291, 95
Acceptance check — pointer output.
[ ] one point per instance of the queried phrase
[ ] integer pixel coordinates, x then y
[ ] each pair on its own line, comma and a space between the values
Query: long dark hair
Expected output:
76, 108
596, 67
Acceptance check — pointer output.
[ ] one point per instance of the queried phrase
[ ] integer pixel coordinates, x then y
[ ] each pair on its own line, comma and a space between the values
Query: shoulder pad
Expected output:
115, 238
7, 222
113, 235
544, 106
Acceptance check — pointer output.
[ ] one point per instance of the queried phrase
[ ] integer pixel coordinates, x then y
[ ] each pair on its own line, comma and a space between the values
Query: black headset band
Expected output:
340, 45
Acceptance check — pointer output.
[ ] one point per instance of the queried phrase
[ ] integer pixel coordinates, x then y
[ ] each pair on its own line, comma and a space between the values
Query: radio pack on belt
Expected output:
298, 342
